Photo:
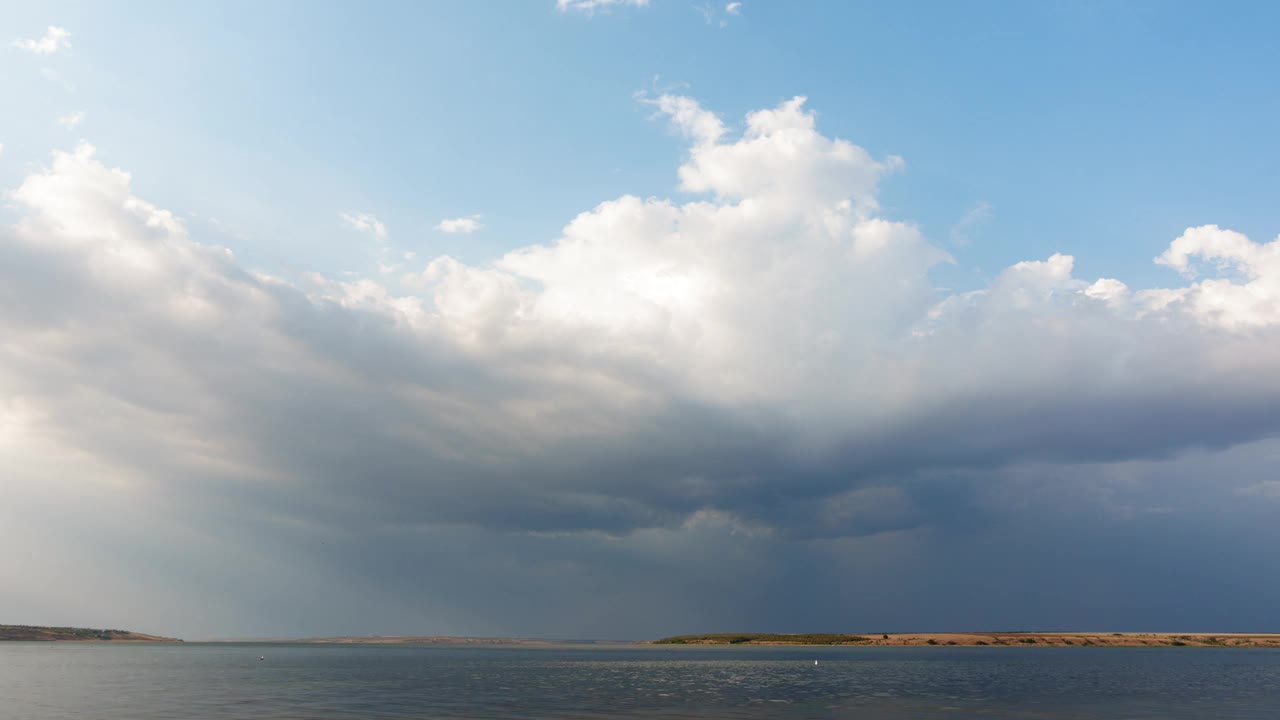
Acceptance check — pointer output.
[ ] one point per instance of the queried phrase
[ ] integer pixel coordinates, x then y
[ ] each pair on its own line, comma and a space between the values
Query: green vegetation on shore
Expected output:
75, 634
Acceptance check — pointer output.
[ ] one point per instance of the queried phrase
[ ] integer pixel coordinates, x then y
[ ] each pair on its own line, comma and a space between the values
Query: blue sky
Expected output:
1082, 126
574, 322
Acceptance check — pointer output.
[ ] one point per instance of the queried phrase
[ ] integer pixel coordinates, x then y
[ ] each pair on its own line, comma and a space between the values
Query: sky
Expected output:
623, 319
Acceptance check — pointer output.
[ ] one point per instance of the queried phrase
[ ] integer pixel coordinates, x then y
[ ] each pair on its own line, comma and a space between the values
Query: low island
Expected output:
40, 633
1013, 639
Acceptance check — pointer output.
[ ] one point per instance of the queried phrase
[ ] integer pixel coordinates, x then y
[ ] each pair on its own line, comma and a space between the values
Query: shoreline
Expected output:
44, 633
972, 639
943, 639
985, 639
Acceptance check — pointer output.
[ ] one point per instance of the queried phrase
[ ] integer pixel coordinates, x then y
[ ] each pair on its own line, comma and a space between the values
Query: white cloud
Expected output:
71, 120
780, 158
701, 126
460, 226
590, 6
733, 8
55, 39
1251, 299
1108, 290
365, 223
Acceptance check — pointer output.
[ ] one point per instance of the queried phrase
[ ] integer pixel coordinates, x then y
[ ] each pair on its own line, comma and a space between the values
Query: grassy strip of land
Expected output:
1017, 639
74, 634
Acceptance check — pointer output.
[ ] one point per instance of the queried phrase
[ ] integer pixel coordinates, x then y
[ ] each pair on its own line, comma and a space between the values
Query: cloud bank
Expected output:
751, 394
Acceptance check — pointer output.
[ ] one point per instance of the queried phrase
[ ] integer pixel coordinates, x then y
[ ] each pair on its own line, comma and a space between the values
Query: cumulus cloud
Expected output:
733, 8
590, 6
460, 226
1249, 299
756, 382
54, 39
71, 120
365, 223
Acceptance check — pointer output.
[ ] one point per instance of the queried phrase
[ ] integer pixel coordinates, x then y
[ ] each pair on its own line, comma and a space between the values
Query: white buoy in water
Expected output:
261, 658
815, 662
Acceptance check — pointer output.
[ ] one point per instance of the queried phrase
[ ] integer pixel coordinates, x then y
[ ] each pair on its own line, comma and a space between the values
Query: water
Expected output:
44, 681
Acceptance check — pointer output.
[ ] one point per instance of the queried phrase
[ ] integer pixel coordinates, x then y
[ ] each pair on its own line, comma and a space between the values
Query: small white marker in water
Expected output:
261, 658
815, 662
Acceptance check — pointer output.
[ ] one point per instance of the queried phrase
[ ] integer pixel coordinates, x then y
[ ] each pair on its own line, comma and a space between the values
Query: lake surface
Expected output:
46, 681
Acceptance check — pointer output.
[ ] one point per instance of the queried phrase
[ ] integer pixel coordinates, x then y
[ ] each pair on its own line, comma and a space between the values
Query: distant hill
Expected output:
1020, 639
73, 634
